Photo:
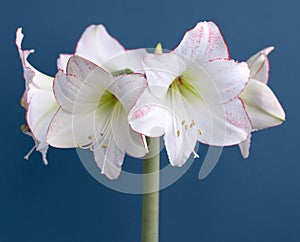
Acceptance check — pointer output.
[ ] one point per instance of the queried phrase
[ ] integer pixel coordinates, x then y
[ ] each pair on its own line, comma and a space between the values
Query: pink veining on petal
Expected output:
142, 111
238, 121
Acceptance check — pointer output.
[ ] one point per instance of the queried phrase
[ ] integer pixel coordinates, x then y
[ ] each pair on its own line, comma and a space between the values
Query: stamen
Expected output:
26, 157
83, 147
145, 143
178, 132
195, 155
200, 131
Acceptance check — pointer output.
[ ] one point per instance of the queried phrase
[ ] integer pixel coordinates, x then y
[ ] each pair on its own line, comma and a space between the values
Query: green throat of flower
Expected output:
182, 86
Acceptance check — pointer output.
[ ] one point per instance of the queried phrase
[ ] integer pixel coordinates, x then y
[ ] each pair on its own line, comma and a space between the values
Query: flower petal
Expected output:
148, 115
81, 88
124, 137
203, 43
72, 130
221, 124
262, 106
41, 109
62, 62
109, 157
161, 70
98, 46
181, 129
30, 73
130, 60
259, 65
127, 89
245, 147
223, 80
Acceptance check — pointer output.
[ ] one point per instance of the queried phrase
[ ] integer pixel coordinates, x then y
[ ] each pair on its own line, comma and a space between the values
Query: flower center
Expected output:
108, 107
184, 87
107, 102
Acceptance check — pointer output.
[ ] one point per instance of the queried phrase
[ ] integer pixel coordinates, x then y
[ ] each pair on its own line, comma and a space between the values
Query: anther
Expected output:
200, 131
24, 128
178, 132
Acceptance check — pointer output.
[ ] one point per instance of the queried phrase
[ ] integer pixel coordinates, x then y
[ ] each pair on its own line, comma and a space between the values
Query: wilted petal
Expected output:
41, 109
259, 65
245, 147
38, 99
203, 43
30, 73
262, 106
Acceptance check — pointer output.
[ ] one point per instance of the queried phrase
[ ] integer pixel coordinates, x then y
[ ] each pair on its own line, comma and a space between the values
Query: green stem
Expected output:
150, 213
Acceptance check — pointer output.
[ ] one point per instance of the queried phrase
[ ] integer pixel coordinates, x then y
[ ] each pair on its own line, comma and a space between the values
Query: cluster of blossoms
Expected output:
109, 99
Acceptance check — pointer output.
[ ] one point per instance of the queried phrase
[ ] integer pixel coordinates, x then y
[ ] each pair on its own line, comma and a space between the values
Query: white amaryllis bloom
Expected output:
38, 100
94, 107
192, 95
95, 120
261, 104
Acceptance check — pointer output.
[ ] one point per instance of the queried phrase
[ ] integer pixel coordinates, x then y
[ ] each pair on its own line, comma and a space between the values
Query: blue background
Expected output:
257, 199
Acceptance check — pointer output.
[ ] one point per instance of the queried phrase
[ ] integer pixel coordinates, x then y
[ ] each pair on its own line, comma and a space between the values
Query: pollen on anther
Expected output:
24, 128
178, 132
200, 131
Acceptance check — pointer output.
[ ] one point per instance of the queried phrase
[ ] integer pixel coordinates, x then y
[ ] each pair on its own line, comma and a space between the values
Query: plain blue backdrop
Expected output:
257, 199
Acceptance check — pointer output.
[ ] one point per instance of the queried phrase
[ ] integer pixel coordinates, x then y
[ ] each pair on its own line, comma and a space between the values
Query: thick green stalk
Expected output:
150, 214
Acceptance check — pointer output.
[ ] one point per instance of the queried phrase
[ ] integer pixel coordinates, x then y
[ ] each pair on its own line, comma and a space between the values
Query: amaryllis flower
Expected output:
94, 107
38, 100
192, 95
261, 104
